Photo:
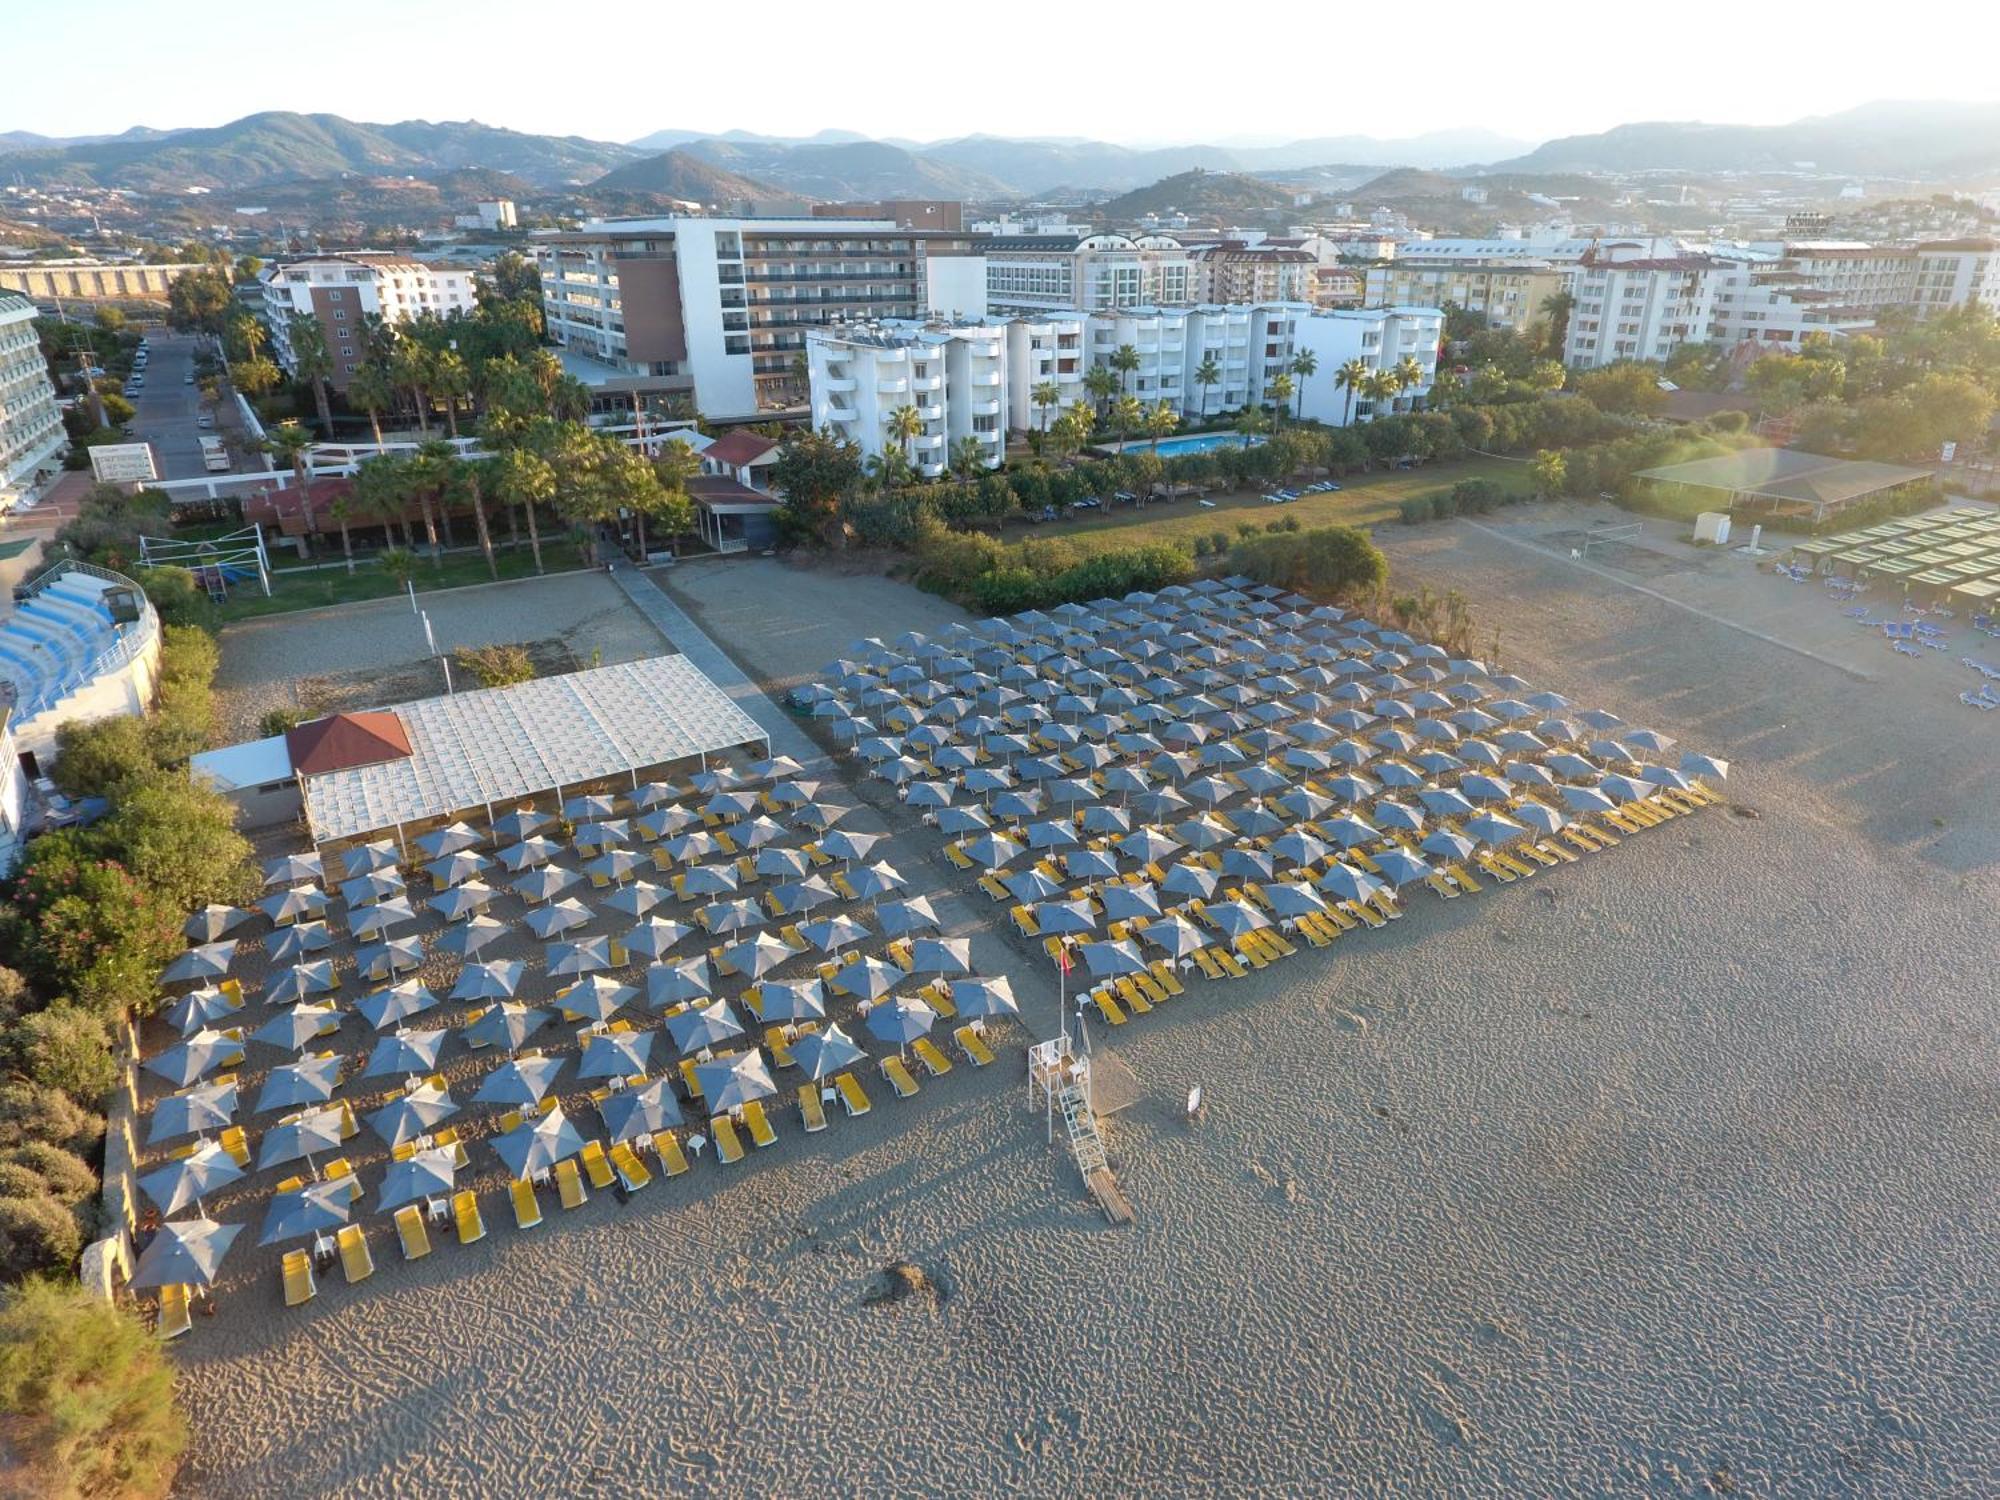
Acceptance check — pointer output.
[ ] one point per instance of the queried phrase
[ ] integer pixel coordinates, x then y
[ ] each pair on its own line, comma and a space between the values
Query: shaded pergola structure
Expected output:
1786, 483
1943, 554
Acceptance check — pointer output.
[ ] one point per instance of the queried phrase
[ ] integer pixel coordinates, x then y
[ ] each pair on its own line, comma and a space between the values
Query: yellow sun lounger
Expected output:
938, 997
1315, 934
176, 1311
465, 1212
1227, 962
934, 1061
300, 1287
596, 1166
410, 1230
631, 1171
1248, 947
1209, 967
1135, 1002
1554, 851
672, 1157
1365, 912
527, 1207
1494, 868
1107, 1007
759, 1124
728, 1145
853, 1098
355, 1259
1164, 976
899, 1077
569, 1184
810, 1108
973, 1045
340, 1169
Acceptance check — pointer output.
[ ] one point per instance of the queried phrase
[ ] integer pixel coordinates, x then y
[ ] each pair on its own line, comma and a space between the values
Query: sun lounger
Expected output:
631, 1171
689, 1079
1128, 992
957, 856
1442, 886
527, 1208
928, 1054
176, 1311
236, 1144
569, 1184
355, 1259
1107, 1007
841, 884
1226, 960
990, 884
1494, 868
853, 1098
938, 997
1164, 976
1315, 934
973, 1045
811, 1110
300, 1287
1556, 852
1365, 912
1024, 921
465, 1213
1205, 961
1278, 943
340, 1169
595, 1164
759, 1124
899, 1077
410, 1230
728, 1145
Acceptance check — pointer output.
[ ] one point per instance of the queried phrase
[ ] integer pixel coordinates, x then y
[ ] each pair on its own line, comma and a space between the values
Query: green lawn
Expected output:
311, 588
1363, 500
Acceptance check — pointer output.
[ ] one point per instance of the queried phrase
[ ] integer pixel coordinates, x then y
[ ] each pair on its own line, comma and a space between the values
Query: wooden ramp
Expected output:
1110, 1197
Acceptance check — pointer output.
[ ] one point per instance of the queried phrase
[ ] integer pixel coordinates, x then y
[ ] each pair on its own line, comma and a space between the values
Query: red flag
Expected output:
1062, 957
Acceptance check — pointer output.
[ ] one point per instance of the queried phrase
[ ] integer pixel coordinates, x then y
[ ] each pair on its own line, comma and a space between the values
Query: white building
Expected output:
1638, 307
1091, 272
1954, 273
1560, 248
344, 289
1044, 350
954, 375
1380, 337
31, 429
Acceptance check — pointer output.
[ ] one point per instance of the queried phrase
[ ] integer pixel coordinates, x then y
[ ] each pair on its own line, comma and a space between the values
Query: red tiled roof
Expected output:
738, 448
342, 741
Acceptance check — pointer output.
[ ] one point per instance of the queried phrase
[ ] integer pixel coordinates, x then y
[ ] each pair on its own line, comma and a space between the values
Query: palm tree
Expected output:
1102, 383
342, 512
382, 491
1045, 396
1207, 375
968, 457
1409, 374
313, 364
430, 474
1126, 413
1125, 360
410, 370
451, 379
368, 388
1350, 377
469, 479
1556, 307
1381, 388
676, 464
291, 443
525, 479
1305, 365
906, 424
887, 470
1161, 420
1280, 392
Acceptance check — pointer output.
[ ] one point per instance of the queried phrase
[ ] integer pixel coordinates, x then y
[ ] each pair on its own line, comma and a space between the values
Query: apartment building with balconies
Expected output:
953, 375
1507, 293
1044, 350
343, 290
1638, 307
1088, 273
1381, 338
31, 430
1233, 271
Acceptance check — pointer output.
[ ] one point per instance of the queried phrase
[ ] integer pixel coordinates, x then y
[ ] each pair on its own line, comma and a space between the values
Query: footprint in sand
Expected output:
1349, 1021
1441, 1414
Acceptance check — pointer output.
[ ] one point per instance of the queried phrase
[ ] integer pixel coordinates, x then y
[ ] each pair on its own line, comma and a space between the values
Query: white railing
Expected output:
132, 640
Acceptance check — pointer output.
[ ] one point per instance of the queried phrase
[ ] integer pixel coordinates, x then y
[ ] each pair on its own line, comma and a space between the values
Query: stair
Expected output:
1084, 1141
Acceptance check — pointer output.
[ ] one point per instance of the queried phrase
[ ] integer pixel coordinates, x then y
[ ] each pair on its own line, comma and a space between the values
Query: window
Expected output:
346, 351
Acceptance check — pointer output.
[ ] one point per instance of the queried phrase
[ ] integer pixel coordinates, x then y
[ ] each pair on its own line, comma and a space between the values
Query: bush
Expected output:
91, 759
67, 1049
90, 1395
280, 720
32, 1112
63, 1175
1329, 562
36, 1234
175, 598
497, 666
1218, 542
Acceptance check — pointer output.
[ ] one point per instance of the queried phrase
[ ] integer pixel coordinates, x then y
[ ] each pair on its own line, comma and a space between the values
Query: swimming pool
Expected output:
1174, 447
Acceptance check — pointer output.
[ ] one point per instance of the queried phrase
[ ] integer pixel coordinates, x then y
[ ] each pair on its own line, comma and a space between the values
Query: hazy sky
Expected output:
1055, 67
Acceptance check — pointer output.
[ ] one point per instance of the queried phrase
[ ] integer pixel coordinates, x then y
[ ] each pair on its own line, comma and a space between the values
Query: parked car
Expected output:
205, 420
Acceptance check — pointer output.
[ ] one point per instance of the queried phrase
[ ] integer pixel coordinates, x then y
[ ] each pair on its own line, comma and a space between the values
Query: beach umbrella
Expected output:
834, 933
545, 883
561, 916
975, 997
587, 957
1103, 818
290, 944
802, 895
1148, 844
1178, 937
730, 1082
404, 1052
292, 869
598, 997
537, 1145
1448, 845
871, 882
1704, 765
709, 880
1399, 867
844, 844
312, 1209
413, 1114
529, 854
1609, 750
520, 824
1587, 799
293, 902
673, 984
774, 861
867, 978
1110, 960
1626, 788
1299, 847
1251, 864
640, 1111
1288, 899
468, 938
1573, 767
1664, 776
730, 805
700, 1027
793, 1000
898, 918
1061, 918
443, 842
1017, 804
1600, 718
821, 1054
1442, 802
941, 956
388, 1006
635, 899
209, 1107
588, 809
463, 900
990, 851
1345, 883
760, 831
521, 1081
195, 1009
370, 920
959, 821
1541, 818
214, 921
303, 1137
376, 885
1090, 864
666, 822
1124, 902
819, 815
310, 1080
455, 869
1031, 885
190, 1178
295, 1025
1203, 833
899, 1019
184, 1252
1492, 828
757, 955
427, 1174
365, 859
655, 937
505, 1024
186, 1061
655, 794
1189, 879
494, 981
207, 961
1487, 788
616, 1054
1527, 772
1234, 918
603, 835
731, 916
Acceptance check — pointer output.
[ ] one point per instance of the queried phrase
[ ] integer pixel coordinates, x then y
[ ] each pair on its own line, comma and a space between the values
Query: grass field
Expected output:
311, 588
1363, 500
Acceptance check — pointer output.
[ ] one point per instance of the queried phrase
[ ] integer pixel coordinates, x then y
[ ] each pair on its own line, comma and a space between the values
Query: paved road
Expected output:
168, 407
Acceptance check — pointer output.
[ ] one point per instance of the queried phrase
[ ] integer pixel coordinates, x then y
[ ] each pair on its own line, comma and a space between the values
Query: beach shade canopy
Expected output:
1149, 844
544, 883
589, 809
821, 1054
1090, 864
451, 839
732, 1082
696, 844
293, 869
1060, 918
757, 956
196, 1008
991, 850
456, 869
1299, 847
295, 1025
198, 964
505, 1024
845, 844
529, 854
640, 1111
899, 1019
184, 1252
558, 917
598, 998
963, 820
392, 955
617, 1054
370, 920
489, 981
404, 1052
604, 835
293, 902
460, 901
469, 937
1492, 828
1704, 765
376, 885
803, 895
519, 1081
305, 1136
538, 1144
1176, 936
209, 1107
1399, 867
587, 957
1111, 960
189, 1178
1442, 843
635, 899
978, 996
834, 933
214, 921
1587, 799
1346, 883
1291, 900
378, 854
415, 1113
710, 880
900, 918
312, 1209
775, 861
872, 882
673, 984
1124, 902
427, 1174
732, 916
793, 1000
941, 956
1190, 879
184, 1062
1234, 918
519, 824
867, 978
700, 1027
311, 1080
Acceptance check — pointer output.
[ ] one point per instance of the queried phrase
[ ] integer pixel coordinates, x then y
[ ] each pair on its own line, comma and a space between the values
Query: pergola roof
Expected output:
474, 749
1785, 474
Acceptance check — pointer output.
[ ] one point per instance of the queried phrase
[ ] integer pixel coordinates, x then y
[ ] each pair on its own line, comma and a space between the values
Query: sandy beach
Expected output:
1673, 1171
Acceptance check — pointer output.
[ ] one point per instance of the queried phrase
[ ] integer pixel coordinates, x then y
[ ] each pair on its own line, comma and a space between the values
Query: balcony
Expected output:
892, 386
928, 441
932, 470
931, 413
986, 408
928, 383
837, 413
838, 383
986, 377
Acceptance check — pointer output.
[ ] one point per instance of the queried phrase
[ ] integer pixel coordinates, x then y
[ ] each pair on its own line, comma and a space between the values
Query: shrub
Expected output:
62, 1174
175, 598
68, 1049
1201, 547
1327, 562
1218, 542
280, 720
90, 1395
1415, 510
37, 1234
179, 842
32, 1112
91, 759
497, 666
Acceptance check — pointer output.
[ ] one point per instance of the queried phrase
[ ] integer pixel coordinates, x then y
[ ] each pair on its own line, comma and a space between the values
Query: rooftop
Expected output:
739, 447
1786, 474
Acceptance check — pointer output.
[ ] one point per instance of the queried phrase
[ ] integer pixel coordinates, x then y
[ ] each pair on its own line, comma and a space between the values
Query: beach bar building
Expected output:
1785, 484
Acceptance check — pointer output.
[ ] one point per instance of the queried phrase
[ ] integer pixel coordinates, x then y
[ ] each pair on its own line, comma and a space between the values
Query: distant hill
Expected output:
1933, 140
1199, 194
681, 174
27, 140
279, 146
666, 140
851, 170
1406, 182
